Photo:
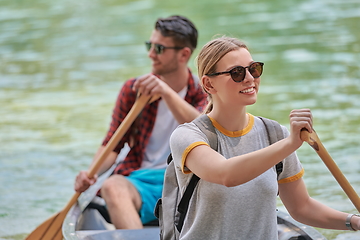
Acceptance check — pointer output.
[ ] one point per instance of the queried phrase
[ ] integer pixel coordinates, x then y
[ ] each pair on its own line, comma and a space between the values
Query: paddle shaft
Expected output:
313, 140
51, 228
119, 133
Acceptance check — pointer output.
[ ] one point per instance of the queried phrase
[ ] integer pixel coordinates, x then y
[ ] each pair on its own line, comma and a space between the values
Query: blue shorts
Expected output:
149, 183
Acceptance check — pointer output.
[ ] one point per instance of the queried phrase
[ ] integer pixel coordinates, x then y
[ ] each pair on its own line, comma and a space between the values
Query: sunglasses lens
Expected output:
148, 45
158, 48
256, 69
238, 74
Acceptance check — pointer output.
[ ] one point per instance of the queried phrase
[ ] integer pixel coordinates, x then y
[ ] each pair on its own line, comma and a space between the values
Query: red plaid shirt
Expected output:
139, 133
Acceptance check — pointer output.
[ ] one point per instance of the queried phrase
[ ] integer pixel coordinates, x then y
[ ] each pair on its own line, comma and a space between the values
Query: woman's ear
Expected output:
207, 84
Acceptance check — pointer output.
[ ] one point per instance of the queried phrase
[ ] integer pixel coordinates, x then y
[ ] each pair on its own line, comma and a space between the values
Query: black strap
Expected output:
274, 132
184, 202
204, 123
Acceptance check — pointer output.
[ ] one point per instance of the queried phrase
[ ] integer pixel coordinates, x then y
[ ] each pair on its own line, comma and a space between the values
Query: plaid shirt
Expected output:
139, 133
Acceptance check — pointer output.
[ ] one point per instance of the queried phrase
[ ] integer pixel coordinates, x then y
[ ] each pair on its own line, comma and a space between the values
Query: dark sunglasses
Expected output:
159, 49
238, 73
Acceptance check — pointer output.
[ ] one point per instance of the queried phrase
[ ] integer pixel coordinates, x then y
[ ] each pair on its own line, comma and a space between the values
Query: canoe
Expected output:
90, 225
84, 223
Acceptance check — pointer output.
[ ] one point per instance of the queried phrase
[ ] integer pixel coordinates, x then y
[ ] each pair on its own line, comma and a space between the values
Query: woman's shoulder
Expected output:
189, 126
187, 132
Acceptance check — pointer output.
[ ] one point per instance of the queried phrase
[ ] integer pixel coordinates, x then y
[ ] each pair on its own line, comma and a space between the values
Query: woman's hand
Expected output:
299, 119
355, 222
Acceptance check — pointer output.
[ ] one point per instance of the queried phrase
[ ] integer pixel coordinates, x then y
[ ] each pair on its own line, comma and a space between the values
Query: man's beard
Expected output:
170, 67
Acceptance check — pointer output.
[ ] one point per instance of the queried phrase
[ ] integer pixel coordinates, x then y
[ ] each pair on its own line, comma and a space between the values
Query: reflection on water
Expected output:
63, 62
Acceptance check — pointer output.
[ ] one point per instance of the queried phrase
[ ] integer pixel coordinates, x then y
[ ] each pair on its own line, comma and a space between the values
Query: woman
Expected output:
236, 196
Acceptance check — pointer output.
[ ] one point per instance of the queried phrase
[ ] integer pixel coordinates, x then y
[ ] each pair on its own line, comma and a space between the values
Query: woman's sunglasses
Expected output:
238, 73
159, 49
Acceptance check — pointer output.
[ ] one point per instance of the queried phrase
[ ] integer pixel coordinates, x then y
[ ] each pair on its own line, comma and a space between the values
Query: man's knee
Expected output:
118, 190
117, 185
114, 183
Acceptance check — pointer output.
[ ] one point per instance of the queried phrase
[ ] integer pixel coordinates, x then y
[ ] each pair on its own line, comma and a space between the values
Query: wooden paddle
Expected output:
51, 229
313, 140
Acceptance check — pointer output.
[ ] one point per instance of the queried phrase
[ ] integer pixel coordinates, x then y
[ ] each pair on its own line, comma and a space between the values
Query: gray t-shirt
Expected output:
246, 211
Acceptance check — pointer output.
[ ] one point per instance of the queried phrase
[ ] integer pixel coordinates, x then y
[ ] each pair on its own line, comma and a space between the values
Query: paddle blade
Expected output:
50, 229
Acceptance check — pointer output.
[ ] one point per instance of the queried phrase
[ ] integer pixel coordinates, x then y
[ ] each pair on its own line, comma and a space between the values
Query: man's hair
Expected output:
180, 29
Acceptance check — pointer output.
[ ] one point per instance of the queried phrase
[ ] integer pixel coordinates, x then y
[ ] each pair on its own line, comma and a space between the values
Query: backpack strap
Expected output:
275, 133
204, 123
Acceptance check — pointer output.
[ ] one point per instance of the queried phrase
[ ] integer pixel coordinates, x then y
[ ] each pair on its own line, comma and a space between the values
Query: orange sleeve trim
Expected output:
292, 178
186, 152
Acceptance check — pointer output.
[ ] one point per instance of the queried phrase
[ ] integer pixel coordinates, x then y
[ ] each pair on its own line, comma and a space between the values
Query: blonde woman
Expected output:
236, 195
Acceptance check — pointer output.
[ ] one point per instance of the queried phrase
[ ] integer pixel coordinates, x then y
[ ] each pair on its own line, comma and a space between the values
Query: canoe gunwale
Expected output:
70, 232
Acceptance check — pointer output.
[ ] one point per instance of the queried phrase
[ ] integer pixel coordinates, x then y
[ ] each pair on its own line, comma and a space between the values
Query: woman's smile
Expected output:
250, 90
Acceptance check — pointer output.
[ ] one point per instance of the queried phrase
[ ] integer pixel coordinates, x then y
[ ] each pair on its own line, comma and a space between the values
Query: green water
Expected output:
63, 62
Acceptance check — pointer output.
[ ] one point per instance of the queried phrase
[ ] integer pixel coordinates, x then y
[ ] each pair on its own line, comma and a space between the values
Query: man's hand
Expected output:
149, 84
83, 182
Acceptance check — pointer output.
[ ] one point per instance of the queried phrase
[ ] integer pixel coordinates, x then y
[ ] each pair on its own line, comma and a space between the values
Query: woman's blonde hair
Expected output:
210, 55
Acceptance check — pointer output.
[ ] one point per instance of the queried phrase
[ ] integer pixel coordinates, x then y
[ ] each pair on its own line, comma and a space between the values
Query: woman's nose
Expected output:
248, 76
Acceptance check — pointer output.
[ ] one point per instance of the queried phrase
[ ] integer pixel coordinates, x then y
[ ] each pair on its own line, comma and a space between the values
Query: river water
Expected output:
62, 63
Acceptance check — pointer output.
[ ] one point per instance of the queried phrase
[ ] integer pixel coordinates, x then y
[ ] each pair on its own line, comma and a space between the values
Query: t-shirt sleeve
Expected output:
184, 139
292, 168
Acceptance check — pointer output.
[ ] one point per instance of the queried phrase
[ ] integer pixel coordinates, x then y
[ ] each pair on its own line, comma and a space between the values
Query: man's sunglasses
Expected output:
159, 49
238, 73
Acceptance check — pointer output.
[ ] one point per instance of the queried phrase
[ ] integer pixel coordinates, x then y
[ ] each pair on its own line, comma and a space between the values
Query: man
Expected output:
131, 193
